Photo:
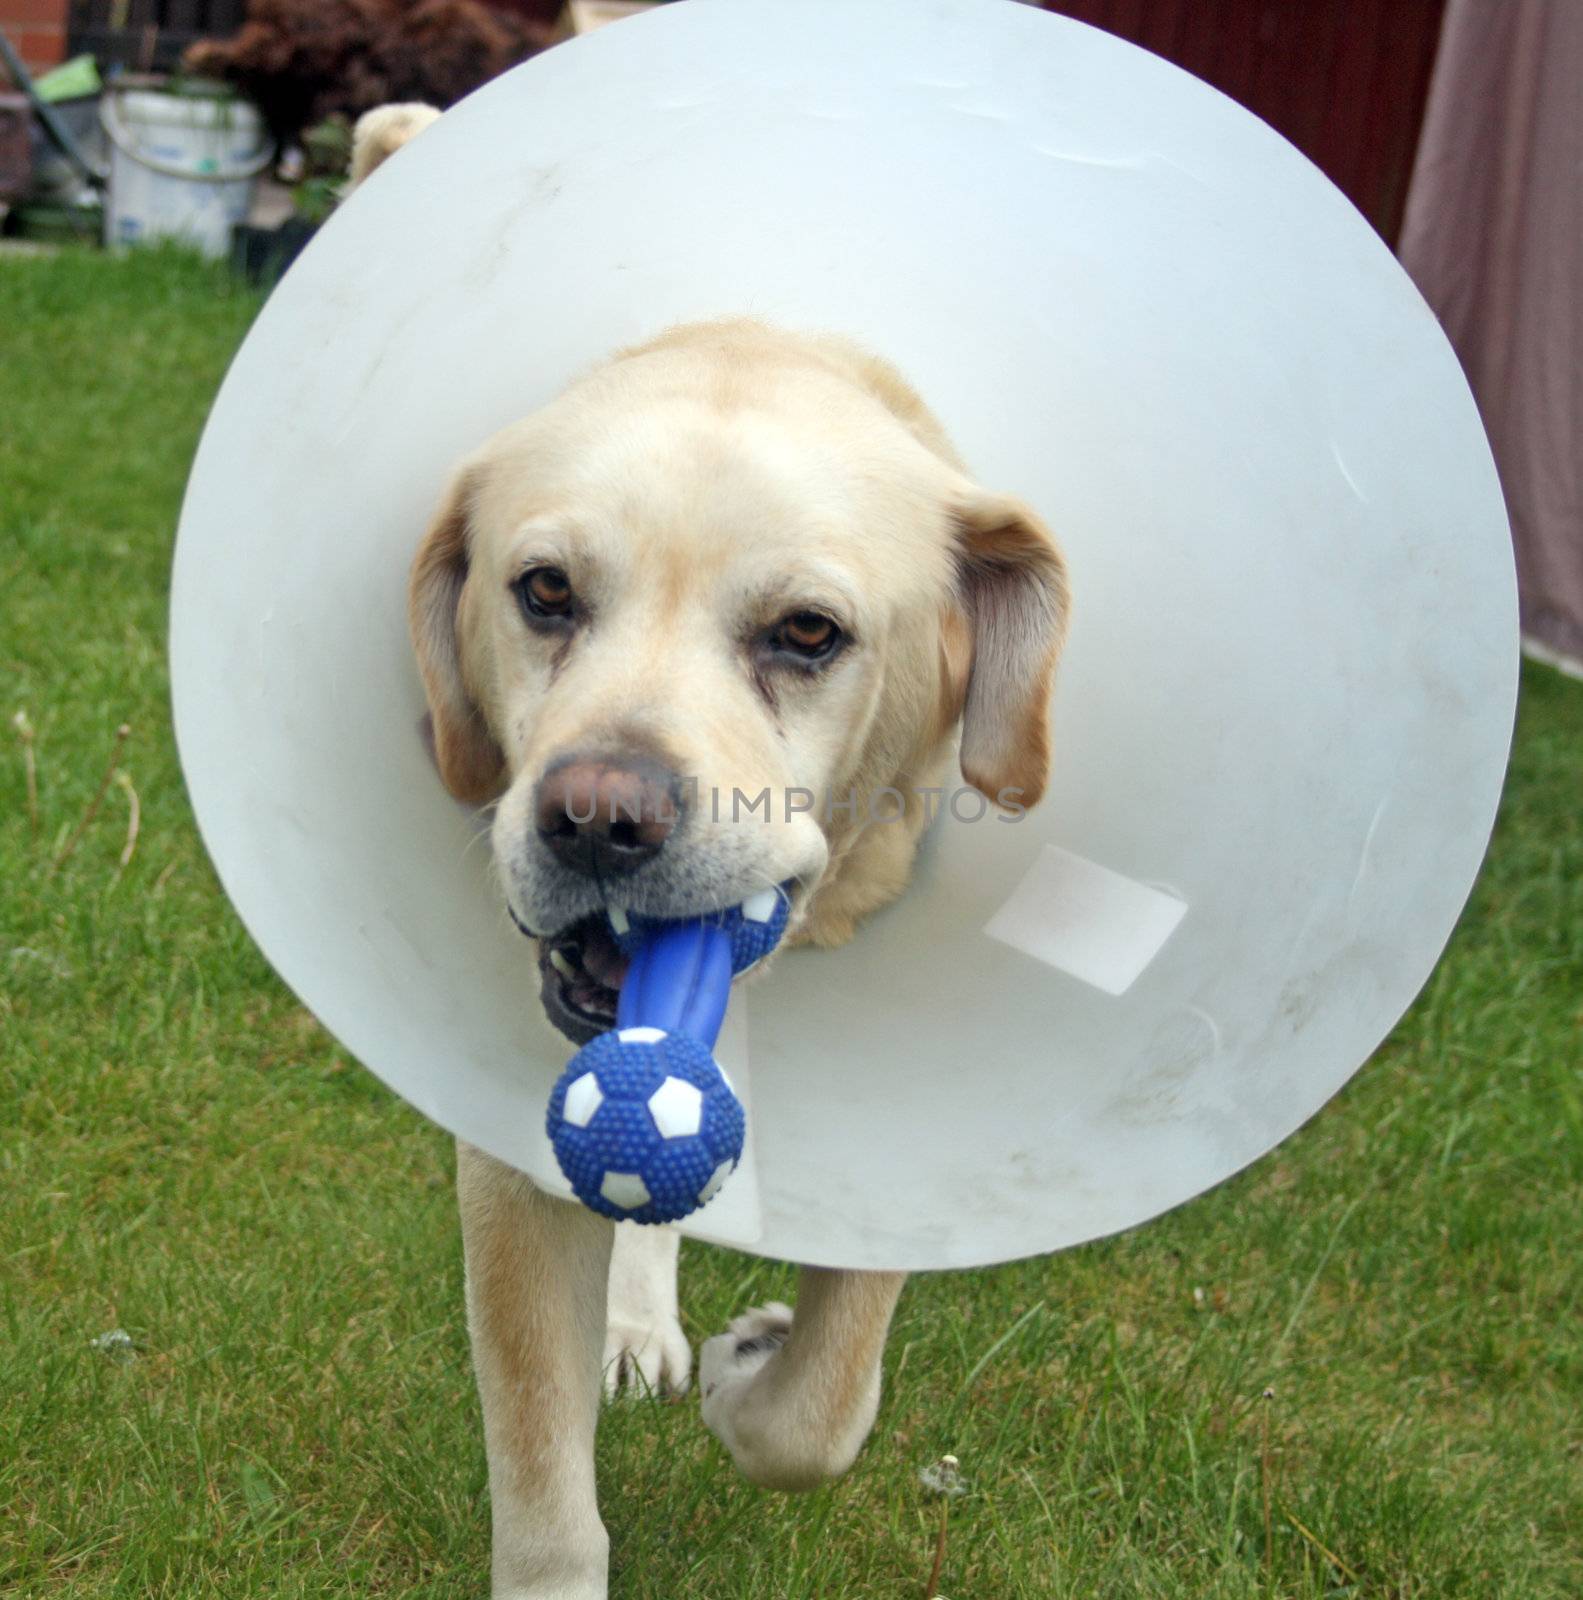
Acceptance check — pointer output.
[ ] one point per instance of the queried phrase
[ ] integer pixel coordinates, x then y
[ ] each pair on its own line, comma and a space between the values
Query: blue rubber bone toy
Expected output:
644, 1123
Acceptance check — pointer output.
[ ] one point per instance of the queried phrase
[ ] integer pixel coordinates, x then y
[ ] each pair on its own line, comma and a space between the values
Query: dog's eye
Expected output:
808, 634
545, 592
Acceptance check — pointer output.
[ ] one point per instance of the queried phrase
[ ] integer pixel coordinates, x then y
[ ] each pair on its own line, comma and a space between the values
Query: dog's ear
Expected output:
1011, 589
469, 760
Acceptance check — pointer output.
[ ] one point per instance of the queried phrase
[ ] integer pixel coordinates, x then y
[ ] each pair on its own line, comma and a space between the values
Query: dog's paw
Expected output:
646, 1357
730, 1361
780, 1430
738, 1405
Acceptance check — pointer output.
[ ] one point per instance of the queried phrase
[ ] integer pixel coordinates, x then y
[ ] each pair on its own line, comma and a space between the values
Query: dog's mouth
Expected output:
582, 967
580, 973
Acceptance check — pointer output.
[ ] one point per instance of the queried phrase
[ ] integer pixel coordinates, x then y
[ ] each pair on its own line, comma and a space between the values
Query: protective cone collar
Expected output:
1281, 722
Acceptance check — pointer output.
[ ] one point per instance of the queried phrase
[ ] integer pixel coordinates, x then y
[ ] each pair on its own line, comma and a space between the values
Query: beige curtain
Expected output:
1493, 235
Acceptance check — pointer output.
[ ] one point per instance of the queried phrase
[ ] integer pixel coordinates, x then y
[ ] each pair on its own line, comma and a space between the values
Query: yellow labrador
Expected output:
732, 560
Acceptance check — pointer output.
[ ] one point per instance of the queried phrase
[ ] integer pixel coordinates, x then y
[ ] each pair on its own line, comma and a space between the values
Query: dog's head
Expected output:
687, 621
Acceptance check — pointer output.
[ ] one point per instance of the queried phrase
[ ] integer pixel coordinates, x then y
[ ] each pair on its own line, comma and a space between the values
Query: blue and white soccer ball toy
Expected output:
645, 1125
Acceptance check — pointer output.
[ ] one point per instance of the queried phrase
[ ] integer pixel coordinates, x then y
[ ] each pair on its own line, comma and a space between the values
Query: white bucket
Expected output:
181, 166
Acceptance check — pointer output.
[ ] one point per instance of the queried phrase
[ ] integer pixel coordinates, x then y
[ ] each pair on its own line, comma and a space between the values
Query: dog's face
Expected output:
684, 623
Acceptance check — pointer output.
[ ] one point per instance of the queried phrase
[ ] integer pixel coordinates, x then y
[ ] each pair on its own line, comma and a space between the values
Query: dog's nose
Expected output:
605, 816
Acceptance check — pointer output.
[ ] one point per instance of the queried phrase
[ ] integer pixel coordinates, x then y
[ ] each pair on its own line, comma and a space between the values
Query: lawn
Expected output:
1356, 1369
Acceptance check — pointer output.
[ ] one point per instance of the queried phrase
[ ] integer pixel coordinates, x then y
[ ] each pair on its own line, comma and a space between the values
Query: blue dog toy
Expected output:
644, 1123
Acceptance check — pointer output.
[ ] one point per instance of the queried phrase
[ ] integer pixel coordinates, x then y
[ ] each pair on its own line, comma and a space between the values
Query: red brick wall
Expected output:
37, 30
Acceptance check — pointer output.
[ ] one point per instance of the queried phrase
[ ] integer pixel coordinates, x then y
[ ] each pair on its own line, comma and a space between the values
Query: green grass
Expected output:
186, 1155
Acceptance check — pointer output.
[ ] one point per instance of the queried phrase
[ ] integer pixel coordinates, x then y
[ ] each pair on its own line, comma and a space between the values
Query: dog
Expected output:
379, 134
730, 559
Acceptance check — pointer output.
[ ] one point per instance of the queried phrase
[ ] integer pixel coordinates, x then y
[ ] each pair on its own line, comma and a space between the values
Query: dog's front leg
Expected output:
646, 1351
536, 1274
793, 1399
